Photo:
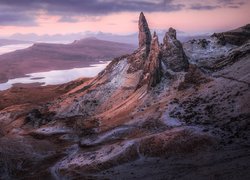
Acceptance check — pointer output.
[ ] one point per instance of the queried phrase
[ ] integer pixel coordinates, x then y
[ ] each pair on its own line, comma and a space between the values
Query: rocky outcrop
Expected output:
144, 33
173, 56
168, 57
152, 69
237, 36
218, 51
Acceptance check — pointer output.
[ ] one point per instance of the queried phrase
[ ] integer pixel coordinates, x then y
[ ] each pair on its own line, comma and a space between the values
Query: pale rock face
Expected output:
173, 56
144, 33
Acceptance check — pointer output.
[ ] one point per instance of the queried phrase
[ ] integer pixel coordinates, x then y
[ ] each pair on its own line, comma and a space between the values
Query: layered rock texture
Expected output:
166, 111
144, 33
173, 56
152, 69
236, 37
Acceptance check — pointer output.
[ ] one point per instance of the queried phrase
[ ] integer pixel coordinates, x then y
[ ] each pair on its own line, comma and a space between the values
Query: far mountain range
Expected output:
67, 38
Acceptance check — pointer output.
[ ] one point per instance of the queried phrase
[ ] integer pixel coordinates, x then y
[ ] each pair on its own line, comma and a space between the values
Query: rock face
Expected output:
173, 56
219, 50
144, 33
167, 57
237, 36
152, 68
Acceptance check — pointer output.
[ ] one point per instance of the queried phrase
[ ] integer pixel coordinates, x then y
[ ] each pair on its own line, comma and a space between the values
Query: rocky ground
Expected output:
167, 111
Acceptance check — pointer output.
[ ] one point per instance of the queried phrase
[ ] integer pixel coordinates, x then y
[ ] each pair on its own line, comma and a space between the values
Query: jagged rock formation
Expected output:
152, 69
219, 50
151, 116
173, 56
236, 37
144, 33
129, 75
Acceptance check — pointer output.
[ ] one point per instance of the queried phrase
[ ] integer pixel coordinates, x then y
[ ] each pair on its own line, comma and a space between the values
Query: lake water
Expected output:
10, 48
56, 76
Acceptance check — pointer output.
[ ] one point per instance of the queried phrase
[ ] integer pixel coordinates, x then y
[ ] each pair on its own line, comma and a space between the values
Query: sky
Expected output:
120, 16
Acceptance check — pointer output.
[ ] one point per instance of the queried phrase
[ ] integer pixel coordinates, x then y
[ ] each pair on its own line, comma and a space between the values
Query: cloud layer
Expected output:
24, 12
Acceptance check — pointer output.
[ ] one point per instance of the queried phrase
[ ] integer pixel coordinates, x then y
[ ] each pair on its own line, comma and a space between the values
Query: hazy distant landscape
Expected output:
42, 57
5, 42
13, 47
67, 38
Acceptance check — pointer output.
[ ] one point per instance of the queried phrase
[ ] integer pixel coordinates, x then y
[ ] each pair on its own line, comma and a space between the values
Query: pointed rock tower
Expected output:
160, 59
144, 33
173, 55
152, 67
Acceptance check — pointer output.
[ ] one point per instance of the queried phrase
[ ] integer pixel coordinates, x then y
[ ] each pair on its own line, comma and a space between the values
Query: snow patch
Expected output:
113, 134
52, 130
169, 121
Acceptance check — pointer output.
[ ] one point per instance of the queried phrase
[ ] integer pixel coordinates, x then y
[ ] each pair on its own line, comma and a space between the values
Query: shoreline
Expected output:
5, 76
34, 94
55, 77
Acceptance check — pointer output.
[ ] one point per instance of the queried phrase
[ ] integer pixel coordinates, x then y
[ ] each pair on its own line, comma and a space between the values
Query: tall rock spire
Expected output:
152, 68
144, 33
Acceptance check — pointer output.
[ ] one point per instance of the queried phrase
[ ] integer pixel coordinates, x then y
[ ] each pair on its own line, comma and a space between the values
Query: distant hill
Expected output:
128, 38
4, 42
45, 56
